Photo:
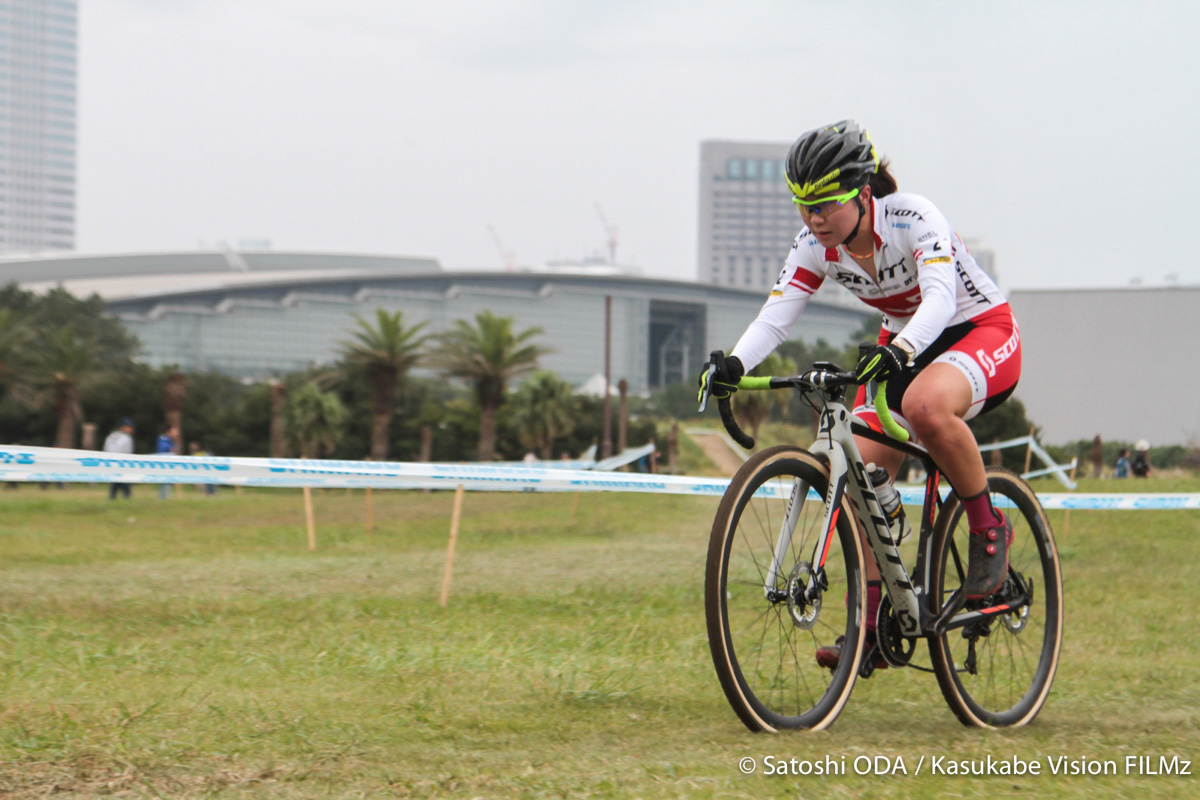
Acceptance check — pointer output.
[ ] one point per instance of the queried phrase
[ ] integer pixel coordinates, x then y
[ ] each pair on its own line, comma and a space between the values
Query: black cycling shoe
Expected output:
987, 560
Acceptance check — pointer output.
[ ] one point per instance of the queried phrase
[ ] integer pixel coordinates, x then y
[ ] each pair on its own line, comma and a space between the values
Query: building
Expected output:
1104, 361
747, 219
257, 314
38, 59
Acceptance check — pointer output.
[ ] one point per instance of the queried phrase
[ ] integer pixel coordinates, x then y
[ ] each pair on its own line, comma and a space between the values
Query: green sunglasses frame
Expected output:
839, 199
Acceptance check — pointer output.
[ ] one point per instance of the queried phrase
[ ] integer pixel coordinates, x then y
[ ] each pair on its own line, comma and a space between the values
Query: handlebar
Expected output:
821, 377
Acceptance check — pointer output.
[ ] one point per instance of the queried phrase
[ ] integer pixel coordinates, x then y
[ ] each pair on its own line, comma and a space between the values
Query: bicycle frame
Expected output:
917, 612
836, 445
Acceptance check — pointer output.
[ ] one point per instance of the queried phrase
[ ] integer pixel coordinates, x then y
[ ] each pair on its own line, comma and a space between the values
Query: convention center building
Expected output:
255, 314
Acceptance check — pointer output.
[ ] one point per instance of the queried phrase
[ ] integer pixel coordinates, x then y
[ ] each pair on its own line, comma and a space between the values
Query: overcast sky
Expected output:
1064, 135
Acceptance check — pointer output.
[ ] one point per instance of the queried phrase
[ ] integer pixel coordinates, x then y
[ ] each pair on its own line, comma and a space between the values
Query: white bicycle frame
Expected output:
836, 443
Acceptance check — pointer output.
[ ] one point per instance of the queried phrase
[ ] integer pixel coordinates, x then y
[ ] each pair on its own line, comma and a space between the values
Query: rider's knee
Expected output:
928, 412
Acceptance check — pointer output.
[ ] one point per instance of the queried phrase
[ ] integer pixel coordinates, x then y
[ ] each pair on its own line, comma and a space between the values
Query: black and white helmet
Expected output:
837, 157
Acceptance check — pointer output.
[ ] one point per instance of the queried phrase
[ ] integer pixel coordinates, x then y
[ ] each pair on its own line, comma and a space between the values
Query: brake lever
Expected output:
712, 369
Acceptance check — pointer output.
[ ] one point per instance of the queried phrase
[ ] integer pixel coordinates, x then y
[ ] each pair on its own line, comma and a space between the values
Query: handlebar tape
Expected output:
890, 426
739, 436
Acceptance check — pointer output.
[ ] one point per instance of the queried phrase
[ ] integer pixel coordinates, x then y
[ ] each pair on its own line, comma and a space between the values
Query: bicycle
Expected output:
785, 576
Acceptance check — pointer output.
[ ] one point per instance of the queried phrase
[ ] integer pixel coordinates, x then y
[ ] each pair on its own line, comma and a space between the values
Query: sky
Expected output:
1062, 134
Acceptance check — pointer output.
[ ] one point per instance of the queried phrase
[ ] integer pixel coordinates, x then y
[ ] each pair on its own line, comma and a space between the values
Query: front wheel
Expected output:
996, 671
765, 621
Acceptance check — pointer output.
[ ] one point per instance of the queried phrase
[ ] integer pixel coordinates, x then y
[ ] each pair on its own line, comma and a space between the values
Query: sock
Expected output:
980, 513
874, 595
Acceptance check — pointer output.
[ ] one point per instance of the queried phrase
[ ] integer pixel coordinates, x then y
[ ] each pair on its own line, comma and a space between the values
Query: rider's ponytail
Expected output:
882, 182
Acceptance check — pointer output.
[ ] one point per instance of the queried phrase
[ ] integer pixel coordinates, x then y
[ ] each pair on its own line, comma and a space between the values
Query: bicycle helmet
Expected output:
837, 157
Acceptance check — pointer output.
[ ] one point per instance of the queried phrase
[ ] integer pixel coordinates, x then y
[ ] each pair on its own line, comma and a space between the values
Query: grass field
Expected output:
195, 648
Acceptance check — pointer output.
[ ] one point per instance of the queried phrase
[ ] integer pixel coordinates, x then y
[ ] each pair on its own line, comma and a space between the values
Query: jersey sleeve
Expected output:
798, 279
931, 245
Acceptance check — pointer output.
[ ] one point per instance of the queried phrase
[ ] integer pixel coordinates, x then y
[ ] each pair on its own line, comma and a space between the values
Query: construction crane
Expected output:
510, 258
611, 230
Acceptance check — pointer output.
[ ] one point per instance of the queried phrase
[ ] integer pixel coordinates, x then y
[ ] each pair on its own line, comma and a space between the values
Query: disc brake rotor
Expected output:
804, 612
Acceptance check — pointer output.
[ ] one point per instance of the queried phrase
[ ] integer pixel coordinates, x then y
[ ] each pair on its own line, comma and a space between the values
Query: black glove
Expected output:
724, 380
880, 363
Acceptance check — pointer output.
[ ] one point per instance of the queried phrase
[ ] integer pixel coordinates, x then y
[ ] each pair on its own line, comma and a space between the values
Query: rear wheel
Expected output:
763, 627
997, 670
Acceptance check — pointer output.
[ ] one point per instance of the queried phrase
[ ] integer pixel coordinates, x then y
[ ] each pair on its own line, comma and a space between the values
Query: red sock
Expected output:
980, 513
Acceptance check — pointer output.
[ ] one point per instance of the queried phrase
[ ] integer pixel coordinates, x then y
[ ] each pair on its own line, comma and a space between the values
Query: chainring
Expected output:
896, 649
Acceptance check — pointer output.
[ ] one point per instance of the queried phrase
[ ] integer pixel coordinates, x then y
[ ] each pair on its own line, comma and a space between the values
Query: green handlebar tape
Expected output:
885, 416
754, 384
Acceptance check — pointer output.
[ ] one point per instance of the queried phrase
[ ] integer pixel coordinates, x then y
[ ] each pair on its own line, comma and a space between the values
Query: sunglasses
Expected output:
825, 205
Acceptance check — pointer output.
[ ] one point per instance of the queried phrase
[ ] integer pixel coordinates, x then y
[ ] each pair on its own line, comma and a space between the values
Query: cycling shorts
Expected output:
985, 349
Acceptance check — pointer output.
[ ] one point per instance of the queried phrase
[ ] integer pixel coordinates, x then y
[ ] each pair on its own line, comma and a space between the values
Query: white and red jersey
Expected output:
925, 279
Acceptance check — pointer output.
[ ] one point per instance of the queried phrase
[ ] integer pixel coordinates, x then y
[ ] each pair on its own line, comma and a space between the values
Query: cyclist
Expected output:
949, 347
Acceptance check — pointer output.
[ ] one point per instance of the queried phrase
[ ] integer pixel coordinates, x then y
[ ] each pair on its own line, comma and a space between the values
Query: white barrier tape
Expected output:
52, 465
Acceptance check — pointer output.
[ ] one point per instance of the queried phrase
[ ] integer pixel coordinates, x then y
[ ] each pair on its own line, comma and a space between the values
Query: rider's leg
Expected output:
934, 406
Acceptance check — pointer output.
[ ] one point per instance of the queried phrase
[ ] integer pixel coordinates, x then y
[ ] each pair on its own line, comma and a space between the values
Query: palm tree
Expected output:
174, 401
314, 420
487, 355
545, 410
67, 362
384, 353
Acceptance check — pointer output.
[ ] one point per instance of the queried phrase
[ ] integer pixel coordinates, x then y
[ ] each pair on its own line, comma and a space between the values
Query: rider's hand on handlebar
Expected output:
880, 363
724, 379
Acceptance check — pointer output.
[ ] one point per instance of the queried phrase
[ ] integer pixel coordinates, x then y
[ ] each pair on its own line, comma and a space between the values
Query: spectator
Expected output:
120, 441
1097, 456
167, 444
196, 450
1140, 466
1122, 468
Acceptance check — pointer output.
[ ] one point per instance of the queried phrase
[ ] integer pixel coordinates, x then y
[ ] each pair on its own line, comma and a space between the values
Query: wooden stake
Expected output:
308, 518
454, 519
1028, 450
370, 515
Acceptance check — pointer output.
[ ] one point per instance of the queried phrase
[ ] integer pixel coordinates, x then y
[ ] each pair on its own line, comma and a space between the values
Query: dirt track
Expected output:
718, 451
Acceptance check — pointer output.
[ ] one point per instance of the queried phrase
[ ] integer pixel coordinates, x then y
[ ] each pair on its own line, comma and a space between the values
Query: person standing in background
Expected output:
120, 441
196, 449
1122, 467
167, 444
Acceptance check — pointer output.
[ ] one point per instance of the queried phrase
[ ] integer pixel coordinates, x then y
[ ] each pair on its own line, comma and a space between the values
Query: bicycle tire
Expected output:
1016, 657
747, 632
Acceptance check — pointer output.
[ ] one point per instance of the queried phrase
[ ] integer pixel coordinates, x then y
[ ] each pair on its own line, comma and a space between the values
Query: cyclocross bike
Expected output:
786, 575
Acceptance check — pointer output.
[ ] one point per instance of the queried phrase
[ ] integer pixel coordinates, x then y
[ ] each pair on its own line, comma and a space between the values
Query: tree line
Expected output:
66, 367
396, 392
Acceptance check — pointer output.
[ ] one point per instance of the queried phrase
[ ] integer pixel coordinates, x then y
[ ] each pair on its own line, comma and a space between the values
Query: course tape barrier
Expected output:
55, 465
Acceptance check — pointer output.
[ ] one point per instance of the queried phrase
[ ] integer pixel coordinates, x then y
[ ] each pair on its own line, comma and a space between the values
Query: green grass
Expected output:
195, 648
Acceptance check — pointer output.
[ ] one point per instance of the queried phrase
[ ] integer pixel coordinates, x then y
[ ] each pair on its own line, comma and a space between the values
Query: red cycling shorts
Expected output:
986, 349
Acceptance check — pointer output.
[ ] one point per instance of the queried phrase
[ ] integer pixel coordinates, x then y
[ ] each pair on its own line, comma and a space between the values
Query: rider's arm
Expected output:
931, 246
770, 328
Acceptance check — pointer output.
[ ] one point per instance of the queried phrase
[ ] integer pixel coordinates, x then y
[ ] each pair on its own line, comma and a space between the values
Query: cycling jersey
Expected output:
925, 282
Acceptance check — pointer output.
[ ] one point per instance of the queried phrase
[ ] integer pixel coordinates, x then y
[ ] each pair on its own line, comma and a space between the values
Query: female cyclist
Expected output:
949, 346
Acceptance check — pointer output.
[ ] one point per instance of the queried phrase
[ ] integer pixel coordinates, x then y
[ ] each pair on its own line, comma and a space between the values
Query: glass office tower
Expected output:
38, 62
